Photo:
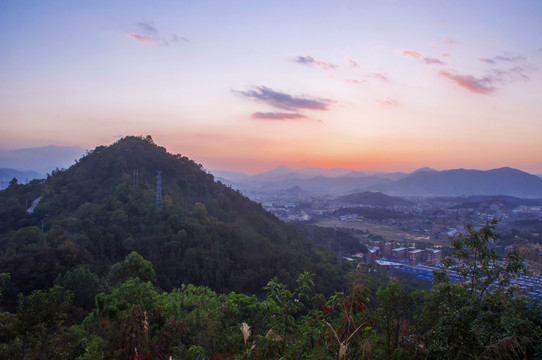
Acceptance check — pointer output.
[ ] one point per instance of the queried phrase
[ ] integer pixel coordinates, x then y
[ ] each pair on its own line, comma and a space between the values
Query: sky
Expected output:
251, 85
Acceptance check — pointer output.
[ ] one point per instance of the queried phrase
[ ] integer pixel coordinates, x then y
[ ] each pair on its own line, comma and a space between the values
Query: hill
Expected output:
369, 198
104, 207
460, 182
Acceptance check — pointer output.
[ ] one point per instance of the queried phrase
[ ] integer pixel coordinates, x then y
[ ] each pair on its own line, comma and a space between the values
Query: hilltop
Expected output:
104, 207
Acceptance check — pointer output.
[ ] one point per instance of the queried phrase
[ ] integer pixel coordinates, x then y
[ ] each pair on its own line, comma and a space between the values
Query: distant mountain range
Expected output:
422, 182
40, 159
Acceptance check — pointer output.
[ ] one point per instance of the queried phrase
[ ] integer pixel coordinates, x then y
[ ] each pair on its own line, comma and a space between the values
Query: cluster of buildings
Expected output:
390, 250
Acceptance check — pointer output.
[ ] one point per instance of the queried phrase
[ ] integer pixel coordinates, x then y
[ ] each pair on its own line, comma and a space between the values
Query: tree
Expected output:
40, 316
392, 315
477, 262
133, 266
478, 317
13, 182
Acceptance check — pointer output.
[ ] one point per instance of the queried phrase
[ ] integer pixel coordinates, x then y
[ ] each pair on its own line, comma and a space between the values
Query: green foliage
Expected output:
99, 211
478, 317
197, 353
477, 261
134, 266
37, 326
84, 284
396, 306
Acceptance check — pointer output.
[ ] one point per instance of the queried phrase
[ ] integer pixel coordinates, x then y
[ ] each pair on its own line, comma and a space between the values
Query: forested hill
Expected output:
104, 207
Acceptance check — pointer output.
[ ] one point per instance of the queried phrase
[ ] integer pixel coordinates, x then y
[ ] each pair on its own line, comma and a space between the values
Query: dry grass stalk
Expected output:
508, 348
245, 329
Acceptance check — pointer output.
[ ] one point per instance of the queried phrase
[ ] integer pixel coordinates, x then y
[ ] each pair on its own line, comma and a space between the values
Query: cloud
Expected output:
433, 61
284, 101
356, 82
446, 41
176, 38
147, 27
469, 82
389, 102
310, 61
148, 34
277, 116
416, 55
142, 38
499, 59
378, 76
449, 41
352, 63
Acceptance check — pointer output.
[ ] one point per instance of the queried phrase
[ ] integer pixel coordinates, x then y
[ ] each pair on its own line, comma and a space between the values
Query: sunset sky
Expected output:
251, 85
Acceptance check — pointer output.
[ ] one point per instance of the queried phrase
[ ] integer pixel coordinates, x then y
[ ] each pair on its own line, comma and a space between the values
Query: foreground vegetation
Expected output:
99, 271
375, 318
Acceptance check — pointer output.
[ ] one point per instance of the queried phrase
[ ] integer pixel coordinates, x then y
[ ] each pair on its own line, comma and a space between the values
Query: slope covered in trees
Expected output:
481, 318
102, 208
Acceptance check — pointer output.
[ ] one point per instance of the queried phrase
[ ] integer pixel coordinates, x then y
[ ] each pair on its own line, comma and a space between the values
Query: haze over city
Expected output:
247, 86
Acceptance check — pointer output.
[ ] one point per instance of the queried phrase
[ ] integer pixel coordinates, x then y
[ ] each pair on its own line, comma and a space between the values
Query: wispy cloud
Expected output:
310, 61
356, 82
476, 85
378, 76
500, 59
446, 41
427, 60
388, 102
148, 33
433, 61
284, 101
352, 63
142, 38
147, 27
416, 55
277, 116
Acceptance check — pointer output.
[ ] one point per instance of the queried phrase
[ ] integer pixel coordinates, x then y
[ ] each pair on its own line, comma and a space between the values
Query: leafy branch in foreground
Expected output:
477, 262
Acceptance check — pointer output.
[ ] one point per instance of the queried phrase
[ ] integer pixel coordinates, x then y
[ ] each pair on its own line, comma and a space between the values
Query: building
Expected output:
416, 255
399, 253
433, 256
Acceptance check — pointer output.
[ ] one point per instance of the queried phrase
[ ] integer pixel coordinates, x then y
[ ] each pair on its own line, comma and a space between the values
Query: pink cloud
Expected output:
469, 82
445, 55
389, 102
357, 82
432, 61
352, 62
325, 65
277, 116
449, 42
378, 76
142, 38
414, 54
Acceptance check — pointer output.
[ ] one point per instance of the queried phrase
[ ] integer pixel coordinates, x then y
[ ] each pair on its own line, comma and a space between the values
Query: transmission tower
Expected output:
136, 178
159, 190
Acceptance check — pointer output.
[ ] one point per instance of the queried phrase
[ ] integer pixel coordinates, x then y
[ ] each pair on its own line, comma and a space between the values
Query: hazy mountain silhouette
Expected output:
421, 182
459, 182
42, 159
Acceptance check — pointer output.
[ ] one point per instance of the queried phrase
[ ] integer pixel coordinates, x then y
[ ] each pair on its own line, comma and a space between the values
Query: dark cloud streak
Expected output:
284, 101
499, 59
148, 33
277, 116
310, 61
469, 82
